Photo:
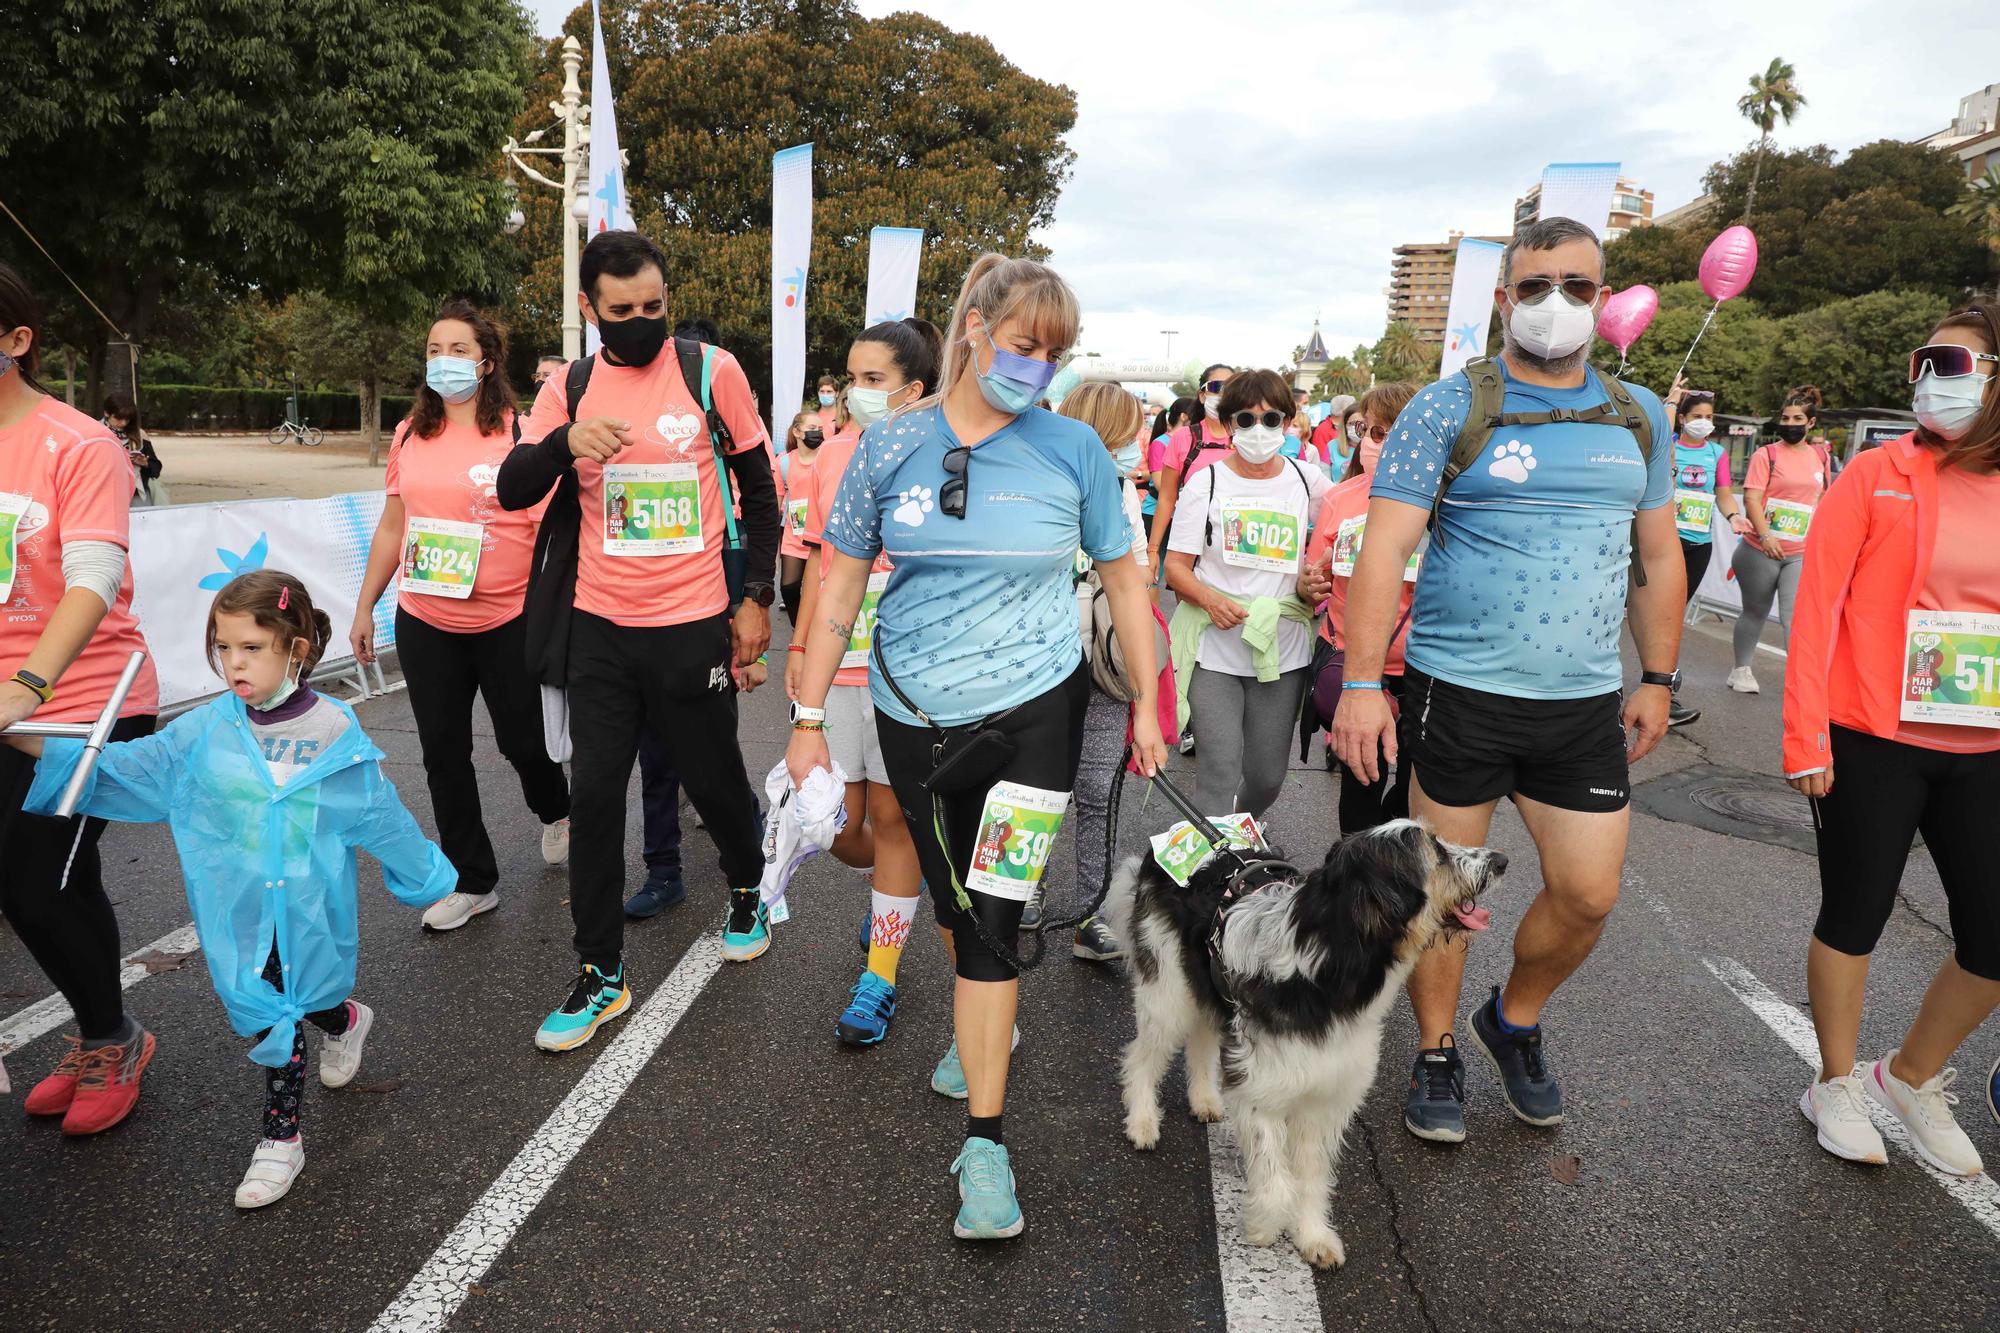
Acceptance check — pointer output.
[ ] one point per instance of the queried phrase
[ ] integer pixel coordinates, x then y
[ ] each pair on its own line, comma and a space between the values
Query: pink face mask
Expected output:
1371, 451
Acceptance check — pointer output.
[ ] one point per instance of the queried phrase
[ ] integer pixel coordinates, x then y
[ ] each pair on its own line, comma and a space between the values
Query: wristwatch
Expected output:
800, 713
760, 594
1670, 679
33, 682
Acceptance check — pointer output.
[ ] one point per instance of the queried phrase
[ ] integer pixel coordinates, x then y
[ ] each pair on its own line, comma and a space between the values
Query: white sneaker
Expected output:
1926, 1113
455, 909
340, 1057
1839, 1113
555, 842
1743, 681
273, 1168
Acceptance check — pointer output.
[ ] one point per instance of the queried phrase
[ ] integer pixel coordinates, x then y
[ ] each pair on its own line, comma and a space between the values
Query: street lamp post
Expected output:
575, 119
1170, 342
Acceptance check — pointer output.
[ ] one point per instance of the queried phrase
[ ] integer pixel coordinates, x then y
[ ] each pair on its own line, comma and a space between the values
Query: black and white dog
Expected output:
1310, 970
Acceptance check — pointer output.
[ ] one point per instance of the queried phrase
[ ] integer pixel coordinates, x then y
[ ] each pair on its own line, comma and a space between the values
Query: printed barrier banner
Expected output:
1579, 190
182, 555
791, 255
1473, 275
1717, 591
894, 255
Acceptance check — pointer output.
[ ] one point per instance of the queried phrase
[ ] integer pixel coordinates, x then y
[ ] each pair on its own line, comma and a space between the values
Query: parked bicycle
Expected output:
296, 432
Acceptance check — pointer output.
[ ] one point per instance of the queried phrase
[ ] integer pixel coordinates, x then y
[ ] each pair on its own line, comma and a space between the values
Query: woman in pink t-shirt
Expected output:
795, 483
460, 563
1781, 488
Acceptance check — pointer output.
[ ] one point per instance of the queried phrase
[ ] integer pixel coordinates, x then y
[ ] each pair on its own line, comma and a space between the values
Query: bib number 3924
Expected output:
652, 509
1951, 668
1016, 833
440, 558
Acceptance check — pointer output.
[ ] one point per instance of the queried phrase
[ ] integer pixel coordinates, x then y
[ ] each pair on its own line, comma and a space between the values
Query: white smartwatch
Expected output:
800, 713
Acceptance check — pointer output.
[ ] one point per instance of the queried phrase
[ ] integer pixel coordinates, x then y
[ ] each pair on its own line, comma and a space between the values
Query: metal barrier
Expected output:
94, 735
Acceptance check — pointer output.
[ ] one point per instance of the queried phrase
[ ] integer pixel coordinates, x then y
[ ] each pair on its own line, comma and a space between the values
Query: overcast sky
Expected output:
1246, 166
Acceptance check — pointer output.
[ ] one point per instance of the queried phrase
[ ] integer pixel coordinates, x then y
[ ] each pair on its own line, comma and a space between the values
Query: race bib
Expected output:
1347, 548
1254, 537
12, 508
1016, 832
1788, 518
863, 638
1694, 512
1182, 849
440, 558
652, 509
1951, 668
795, 513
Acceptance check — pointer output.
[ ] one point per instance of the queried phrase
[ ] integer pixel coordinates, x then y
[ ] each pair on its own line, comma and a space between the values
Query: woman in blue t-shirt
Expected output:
981, 501
1701, 491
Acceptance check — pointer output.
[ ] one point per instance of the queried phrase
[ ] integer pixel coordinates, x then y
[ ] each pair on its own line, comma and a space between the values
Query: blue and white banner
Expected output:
610, 209
183, 554
1475, 272
791, 255
1579, 190
894, 255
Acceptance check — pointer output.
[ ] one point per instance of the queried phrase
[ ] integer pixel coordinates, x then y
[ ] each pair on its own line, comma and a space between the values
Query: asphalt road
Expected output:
726, 1163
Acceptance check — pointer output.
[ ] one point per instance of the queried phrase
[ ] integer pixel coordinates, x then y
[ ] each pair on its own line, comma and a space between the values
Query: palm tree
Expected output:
1774, 96
1401, 354
1981, 207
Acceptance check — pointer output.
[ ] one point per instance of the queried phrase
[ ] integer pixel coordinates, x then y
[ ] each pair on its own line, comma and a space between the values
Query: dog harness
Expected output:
1234, 878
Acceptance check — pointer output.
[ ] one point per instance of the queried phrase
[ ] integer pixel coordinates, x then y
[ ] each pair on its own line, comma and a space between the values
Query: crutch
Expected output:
92, 734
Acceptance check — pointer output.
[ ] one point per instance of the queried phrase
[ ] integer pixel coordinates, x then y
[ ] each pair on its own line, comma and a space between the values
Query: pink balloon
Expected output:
1626, 315
1729, 263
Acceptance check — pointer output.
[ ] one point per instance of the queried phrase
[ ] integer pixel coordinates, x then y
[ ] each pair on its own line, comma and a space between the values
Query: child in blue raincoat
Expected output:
268, 789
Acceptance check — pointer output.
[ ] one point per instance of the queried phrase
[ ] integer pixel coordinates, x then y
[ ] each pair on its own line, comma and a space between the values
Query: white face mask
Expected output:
1947, 408
867, 406
1209, 403
1552, 327
1258, 444
1698, 428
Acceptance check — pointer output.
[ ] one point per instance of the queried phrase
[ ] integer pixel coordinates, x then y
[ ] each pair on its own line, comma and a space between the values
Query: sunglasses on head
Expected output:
1946, 361
1269, 420
1580, 291
1213, 386
951, 495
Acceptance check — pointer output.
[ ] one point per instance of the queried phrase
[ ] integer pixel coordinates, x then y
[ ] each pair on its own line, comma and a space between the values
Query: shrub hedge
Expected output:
205, 407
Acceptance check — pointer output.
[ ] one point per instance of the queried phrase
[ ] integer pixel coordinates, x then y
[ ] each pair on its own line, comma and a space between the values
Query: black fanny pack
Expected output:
963, 758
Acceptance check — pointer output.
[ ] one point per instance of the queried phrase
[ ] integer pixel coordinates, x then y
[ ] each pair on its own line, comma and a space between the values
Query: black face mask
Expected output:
1791, 434
635, 341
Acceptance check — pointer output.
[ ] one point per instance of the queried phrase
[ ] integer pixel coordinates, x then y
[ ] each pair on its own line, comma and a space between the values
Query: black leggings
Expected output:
65, 919
1884, 792
791, 578
1048, 736
1696, 555
1365, 805
285, 1086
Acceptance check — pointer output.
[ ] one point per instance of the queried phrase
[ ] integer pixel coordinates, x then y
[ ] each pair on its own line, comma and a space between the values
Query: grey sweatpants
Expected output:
1759, 577
1103, 746
1243, 731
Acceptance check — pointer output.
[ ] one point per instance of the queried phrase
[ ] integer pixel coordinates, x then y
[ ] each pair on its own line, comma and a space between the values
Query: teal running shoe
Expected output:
747, 933
593, 1001
987, 1209
948, 1079
869, 1009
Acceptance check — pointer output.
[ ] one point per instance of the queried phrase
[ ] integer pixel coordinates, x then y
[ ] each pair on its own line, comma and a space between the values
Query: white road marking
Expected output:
48, 1014
439, 1288
1265, 1289
1978, 1195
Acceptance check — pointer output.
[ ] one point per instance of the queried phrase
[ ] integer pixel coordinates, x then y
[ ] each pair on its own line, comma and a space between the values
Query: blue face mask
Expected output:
1014, 383
6, 363
1127, 458
452, 378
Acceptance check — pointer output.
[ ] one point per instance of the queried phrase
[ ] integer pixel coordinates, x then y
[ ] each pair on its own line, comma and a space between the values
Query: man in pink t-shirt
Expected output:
652, 629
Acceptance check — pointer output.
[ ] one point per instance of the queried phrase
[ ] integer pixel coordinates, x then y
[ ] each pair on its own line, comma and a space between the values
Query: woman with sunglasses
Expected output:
1336, 541
1701, 491
1234, 559
1892, 727
1781, 488
981, 500
1192, 446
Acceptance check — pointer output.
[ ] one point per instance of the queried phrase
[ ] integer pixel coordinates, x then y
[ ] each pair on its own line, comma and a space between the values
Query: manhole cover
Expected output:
1731, 801
1752, 798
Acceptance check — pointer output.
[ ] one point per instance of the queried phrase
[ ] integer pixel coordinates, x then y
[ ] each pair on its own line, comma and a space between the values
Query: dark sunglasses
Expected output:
1213, 386
951, 496
1269, 420
1375, 433
1580, 291
1946, 361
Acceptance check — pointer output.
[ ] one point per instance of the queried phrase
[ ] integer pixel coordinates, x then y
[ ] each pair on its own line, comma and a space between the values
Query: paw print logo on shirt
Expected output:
915, 503
1513, 461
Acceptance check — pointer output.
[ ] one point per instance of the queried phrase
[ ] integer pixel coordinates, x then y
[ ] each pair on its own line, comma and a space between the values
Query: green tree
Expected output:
912, 125
1402, 355
1655, 256
1774, 95
1980, 206
1729, 362
1873, 241
1340, 376
153, 144
1856, 350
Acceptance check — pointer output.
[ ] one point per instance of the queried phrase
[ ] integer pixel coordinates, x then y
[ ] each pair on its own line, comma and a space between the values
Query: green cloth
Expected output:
1260, 636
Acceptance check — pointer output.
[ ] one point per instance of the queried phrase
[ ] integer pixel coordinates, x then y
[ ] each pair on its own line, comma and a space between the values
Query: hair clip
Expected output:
284, 597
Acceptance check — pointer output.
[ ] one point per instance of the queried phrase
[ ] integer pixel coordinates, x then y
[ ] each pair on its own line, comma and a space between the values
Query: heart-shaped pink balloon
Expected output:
1626, 315
1729, 263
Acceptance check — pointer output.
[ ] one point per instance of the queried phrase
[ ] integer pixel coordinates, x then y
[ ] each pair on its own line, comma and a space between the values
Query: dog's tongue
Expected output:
1472, 917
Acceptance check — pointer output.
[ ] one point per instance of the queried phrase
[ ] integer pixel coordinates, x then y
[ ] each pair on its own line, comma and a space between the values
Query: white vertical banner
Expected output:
1579, 190
1475, 272
610, 210
894, 254
791, 254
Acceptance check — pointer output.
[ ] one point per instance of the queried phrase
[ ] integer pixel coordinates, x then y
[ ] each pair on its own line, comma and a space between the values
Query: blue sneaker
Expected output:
661, 891
747, 933
948, 1079
594, 1000
1434, 1107
869, 1009
987, 1209
1526, 1085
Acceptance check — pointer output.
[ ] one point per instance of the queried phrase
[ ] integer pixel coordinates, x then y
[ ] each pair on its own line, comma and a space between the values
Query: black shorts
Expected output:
1468, 747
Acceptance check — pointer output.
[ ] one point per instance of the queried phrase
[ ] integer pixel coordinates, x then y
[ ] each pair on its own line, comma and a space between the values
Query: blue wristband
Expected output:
1347, 685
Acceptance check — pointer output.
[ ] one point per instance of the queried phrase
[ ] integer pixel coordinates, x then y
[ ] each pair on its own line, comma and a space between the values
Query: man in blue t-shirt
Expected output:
1514, 686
